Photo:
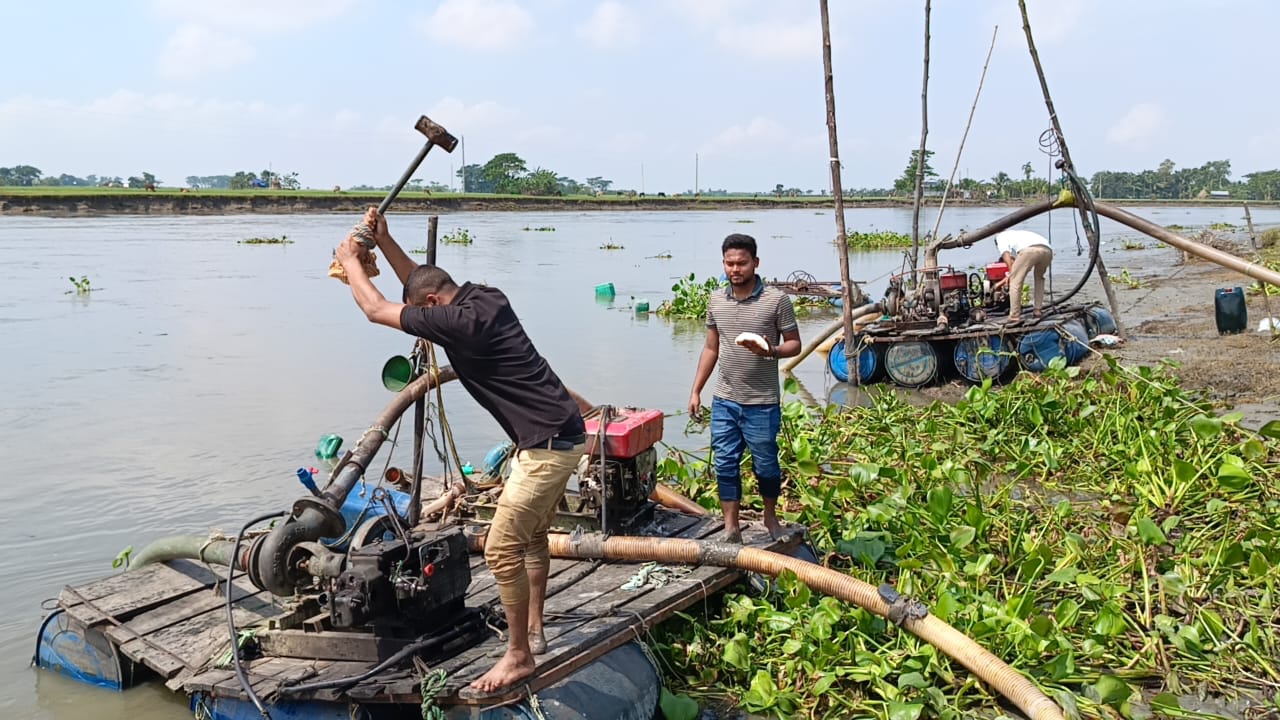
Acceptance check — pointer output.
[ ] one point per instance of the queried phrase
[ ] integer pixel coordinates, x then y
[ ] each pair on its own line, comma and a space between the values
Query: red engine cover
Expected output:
630, 432
953, 281
997, 271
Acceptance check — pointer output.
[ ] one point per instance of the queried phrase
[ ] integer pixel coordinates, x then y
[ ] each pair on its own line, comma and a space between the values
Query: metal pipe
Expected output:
968, 238
1200, 250
817, 340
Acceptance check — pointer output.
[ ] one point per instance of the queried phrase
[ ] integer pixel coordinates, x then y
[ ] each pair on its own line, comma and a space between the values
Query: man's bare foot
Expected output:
537, 642
774, 528
733, 536
515, 666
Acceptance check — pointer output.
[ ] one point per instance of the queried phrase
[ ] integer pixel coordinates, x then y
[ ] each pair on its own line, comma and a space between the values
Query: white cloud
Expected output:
1137, 127
611, 25
194, 50
707, 12
479, 24
1052, 21
761, 131
454, 113
253, 15
772, 40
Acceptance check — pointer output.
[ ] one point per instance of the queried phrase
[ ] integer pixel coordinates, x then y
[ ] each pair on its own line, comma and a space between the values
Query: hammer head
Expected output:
436, 133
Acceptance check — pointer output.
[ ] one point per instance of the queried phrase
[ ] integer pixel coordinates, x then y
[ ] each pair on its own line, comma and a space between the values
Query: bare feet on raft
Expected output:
774, 528
515, 666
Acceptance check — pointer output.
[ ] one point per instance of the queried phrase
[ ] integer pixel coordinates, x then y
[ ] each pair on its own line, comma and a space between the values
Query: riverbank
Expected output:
90, 202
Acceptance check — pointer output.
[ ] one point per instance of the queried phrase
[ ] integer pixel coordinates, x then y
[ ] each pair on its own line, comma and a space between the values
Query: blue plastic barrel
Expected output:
911, 364
869, 358
979, 358
1099, 321
1076, 346
1038, 348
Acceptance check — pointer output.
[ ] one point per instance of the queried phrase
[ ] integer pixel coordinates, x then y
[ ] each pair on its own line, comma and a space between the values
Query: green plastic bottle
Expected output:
327, 448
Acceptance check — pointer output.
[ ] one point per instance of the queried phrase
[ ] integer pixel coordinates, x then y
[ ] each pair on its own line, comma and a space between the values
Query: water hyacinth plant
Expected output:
1105, 533
691, 297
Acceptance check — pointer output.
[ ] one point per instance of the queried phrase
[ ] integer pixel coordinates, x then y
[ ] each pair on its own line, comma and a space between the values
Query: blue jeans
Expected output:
735, 427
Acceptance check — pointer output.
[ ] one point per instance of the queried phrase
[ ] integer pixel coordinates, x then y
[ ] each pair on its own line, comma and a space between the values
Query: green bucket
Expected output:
605, 290
397, 372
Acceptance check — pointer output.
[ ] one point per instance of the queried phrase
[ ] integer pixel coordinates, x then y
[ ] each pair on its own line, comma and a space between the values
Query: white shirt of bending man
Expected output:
1015, 241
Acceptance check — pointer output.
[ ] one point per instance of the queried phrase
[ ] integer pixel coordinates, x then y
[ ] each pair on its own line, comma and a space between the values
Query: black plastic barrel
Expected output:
1229, 310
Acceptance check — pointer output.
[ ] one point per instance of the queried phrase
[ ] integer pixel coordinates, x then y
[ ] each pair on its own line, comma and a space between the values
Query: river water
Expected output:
185, 390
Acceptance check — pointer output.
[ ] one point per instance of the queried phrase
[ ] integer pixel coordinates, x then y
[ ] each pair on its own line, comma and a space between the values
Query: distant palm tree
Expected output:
1027, 170
1000, 181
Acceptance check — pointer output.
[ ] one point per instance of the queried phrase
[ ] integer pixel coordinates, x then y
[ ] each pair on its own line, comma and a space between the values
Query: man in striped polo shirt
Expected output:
746, 407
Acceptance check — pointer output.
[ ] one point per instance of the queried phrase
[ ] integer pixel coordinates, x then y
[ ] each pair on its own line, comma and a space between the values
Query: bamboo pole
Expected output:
1257, 255
837, 192
1070, 167
920, 156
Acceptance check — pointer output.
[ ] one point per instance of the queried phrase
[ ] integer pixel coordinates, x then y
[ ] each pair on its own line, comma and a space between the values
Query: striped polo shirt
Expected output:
745, 377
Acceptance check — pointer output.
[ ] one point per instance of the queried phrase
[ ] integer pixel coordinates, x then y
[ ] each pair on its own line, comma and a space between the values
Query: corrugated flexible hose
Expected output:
991, 669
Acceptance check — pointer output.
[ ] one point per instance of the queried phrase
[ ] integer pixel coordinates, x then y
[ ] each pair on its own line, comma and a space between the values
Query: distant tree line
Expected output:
508, 174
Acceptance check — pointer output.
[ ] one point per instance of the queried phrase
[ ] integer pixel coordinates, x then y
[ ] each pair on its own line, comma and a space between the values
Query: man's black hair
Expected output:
738, 241
425, 280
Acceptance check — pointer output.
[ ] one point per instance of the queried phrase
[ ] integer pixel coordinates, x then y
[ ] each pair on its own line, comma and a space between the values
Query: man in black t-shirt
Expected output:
501, 369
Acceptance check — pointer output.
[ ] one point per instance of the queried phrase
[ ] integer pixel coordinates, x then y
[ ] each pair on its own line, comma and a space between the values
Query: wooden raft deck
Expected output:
172, 618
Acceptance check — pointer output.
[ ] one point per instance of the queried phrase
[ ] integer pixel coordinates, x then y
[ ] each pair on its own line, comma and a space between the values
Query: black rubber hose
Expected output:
231, 621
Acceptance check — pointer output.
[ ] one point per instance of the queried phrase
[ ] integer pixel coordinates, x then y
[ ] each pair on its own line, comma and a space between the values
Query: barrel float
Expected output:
1075, 342
870, 361
1038, 348
1099, 321
911, 364
979, 358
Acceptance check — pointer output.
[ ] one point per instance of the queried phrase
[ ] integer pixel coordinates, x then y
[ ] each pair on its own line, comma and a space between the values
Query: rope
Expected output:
431, 684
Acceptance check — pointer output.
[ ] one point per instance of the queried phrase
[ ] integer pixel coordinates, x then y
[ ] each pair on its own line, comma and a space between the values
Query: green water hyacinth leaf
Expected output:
940, 503
1258, 564
1271, 430
1167, 703
905, 711
678, 707
912, 680
1150, 532
762, 693
1233, 477
736, 652
1206, 428
1111, 690
962, 536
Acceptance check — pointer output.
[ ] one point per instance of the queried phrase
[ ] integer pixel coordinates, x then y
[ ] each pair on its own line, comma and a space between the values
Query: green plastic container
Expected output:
605, 290
642, 306
327, 448
397, 372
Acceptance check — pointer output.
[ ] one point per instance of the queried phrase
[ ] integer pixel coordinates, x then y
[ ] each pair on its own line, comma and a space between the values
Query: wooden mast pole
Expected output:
837, 191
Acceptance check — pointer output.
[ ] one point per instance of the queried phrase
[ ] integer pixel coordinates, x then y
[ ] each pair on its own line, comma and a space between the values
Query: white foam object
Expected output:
1268, 324
750, 338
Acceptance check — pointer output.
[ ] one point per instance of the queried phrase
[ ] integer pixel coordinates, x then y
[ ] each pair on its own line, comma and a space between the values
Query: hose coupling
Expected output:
901, 607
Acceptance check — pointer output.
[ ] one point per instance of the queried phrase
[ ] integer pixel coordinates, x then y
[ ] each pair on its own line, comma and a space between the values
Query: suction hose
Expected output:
994, 671
214, 552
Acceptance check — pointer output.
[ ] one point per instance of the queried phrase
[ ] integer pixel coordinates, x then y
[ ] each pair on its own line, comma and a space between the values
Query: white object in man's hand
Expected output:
753, 342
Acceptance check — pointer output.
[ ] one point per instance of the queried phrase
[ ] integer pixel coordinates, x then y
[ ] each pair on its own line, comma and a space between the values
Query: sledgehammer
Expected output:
436, 135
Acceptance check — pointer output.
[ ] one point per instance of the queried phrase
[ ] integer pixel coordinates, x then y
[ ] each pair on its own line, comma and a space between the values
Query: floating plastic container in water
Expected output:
979, 358
1076, 347
327, 448
1098, 321
1230, 311
911, 364
1038, 348
870, 360
642, 306
604, 290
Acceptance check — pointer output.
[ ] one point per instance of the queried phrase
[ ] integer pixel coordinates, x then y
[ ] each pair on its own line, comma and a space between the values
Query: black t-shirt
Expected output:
497, 364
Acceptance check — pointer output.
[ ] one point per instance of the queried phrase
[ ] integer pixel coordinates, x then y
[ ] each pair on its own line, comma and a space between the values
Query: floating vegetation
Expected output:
81, 286
1221, 226
664, 255
1174, 228
878, 240
1126, 278
461, 236
1133, 245
547, 228
418, 251
691, 297
744, 221
1104, 533
282, 240
611, 246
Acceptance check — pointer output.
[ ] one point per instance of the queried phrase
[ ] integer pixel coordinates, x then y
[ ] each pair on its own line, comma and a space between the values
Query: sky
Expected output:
655, 95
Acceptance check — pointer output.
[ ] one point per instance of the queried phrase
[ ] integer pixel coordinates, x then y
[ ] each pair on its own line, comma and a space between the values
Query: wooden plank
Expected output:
178, 610
125, 594
198, 638
330, 645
